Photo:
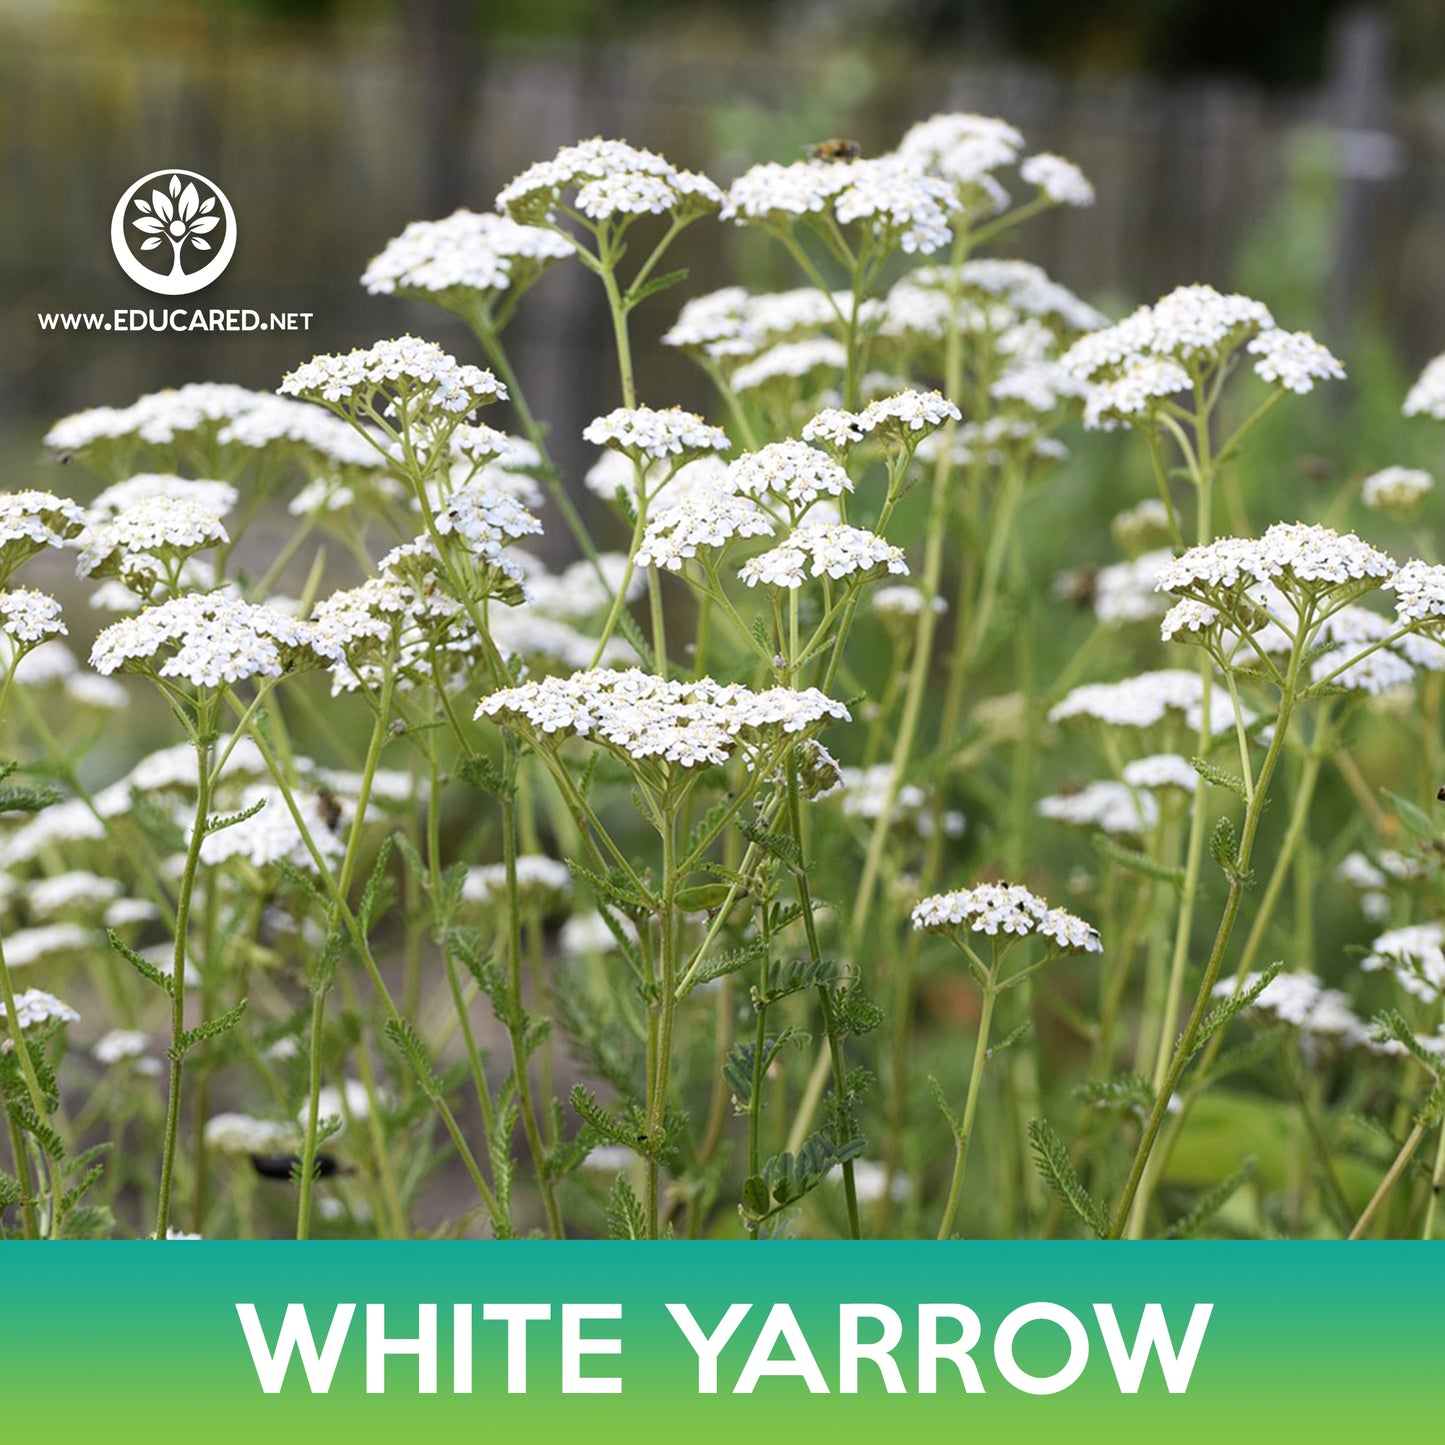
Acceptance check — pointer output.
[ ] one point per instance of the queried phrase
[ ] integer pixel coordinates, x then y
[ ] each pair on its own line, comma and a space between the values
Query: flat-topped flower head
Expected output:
407, 368
157, 419
1322, 1015
788, 471
1191, 621
1302, 562
1415, 955
1161, 350
1111, 807
648, 719
607, 179
206, 640
824, 549
645, 433
1058, 180
1419, 589
1136, 389
729, 325
1161, 772
1427, 396
1142, 527
1396, 489
542, 883
891, 198
1122, 592
702, 522
1294, 360
1145, 700
210, 425
790, 361
218, 498
149, 541
966, 150
1036, 386
1027, 289
907, 418
1005, 911
270, 836
485, 517
34, 1008
464, 257
241, 1135
716, 325
28, 617
900, 605
31, 521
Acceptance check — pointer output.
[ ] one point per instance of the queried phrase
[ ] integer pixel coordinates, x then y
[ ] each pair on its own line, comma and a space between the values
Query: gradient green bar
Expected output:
141, 1342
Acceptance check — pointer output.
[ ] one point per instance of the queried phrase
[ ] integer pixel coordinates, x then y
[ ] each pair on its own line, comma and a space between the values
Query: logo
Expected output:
173, 232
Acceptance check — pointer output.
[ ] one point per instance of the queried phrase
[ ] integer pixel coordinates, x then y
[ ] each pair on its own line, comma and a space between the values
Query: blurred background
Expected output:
1294, 149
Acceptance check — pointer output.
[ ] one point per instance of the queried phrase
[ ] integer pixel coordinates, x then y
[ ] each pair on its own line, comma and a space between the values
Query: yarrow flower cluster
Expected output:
1005, 911
691, 724
891, 197
466, 255
1299, 560
965, 150
28, 617
610, 179
790, 471
824, 549
206, 640
418, 370
790, 361
219, 498
1395, 489
1060, 180
542, 882
209, 415
1146, 700
148, 539
1111, 807
1322, 1015
34, 1007
1162, 350
731, 324
867, 793
907, 417
643, 432
1427, 396
698, 523
31, 521
1415, 955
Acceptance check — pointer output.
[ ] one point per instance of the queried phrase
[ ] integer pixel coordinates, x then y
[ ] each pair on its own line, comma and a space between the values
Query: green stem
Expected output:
1125, 1214
964, 1135
204, 745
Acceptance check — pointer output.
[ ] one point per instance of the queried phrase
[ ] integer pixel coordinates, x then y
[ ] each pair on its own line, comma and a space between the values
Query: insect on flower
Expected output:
836, 149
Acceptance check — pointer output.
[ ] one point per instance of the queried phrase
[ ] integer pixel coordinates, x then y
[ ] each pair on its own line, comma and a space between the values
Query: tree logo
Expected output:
173, 232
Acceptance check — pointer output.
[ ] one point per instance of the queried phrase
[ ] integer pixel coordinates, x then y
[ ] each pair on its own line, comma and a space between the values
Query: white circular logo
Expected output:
173, 232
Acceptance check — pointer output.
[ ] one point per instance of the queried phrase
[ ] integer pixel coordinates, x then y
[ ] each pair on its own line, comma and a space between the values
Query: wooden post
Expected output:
1359, 101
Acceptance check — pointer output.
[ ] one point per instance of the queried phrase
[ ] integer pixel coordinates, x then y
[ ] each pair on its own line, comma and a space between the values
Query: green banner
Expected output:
274, 1343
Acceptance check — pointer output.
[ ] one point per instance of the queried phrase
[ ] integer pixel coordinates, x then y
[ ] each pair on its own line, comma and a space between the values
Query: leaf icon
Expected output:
163, 207
189, 203
175, 185
148, 224
150, 244
202, 224
144, 205
199, 244
207, 204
